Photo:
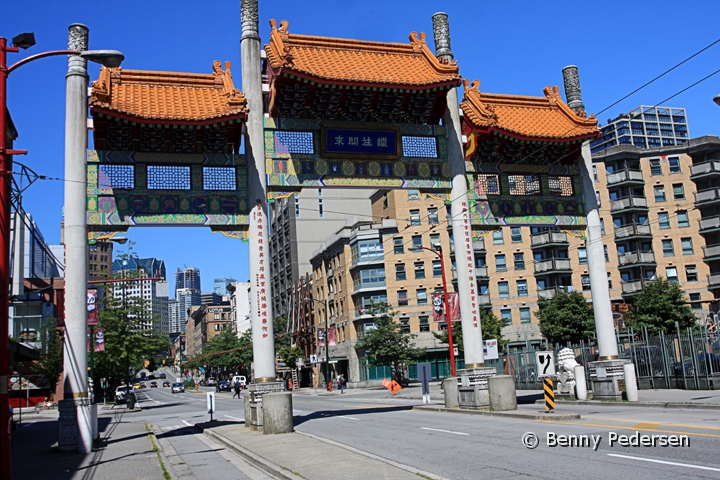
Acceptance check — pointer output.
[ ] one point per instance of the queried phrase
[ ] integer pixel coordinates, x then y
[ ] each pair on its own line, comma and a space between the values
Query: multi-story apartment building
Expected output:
204, 323
184, 299
240, 306
153, 292
100, 258
299, 225
645, 127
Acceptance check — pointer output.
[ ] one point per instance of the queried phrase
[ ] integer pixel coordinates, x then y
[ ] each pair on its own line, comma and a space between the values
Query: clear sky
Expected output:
513, 47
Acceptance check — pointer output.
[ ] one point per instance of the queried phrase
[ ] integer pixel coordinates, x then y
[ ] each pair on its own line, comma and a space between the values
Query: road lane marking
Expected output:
188, 423
349, 418
445, 431
235, 418
683, 425
645, 426
665, 462
601, 425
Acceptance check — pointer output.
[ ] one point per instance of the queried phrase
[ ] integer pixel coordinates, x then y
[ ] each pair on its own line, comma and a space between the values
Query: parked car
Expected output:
212, 382
224, 386
120, 393
706, 362
177, 387
166, 384
153, 384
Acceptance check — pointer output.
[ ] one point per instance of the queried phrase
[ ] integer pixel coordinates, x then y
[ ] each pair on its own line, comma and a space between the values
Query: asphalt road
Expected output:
466, 446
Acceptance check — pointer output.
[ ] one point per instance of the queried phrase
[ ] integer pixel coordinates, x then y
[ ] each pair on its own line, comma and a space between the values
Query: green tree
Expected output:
491, 328
566, 318
50, 365
658, 306
387, 344
290, 355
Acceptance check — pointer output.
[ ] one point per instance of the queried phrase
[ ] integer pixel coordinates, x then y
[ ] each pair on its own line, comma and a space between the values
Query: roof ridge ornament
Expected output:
417, 43
101, 87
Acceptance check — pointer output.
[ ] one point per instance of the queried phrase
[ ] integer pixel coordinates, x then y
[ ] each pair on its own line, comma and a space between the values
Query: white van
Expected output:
239, 378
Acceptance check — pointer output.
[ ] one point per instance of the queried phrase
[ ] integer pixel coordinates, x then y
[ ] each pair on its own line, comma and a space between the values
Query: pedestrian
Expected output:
237, 390
341, 383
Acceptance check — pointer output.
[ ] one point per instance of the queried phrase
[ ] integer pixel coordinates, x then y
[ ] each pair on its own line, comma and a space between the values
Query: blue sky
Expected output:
514, 47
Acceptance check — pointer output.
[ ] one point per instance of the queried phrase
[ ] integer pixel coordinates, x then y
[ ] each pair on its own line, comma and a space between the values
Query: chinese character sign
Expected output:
92, 316
351, 141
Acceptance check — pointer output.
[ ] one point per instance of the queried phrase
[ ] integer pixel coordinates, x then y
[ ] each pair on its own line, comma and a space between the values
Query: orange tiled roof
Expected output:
358, 62
541, 118
168, 96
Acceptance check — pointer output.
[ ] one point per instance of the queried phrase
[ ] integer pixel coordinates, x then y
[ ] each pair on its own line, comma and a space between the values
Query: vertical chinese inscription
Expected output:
467, 241
260, 278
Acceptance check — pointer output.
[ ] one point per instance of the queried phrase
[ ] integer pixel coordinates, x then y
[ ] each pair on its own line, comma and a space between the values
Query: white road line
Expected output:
349, 418
444, 431
664, 462
188, 423
298, 411
235, 418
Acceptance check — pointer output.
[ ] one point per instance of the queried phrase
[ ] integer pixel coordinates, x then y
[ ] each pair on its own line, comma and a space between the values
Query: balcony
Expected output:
481, 273
714, 281
632, 230
628, 204
709, 224
549, 293
712, 252
634, 286
552, 265
707, 197
484, 300
625, 177
635, 259
548, 239
478, 246
705, 170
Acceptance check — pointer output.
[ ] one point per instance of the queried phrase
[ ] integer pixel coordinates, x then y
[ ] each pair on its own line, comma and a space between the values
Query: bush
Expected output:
189, 384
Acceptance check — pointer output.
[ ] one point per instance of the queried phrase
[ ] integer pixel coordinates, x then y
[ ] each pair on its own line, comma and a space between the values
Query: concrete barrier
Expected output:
450, 389
501, 390
277, 413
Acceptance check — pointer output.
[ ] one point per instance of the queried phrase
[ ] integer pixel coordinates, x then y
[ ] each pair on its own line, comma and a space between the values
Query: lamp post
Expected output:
109, 58
451, 347
327, 341
716, 99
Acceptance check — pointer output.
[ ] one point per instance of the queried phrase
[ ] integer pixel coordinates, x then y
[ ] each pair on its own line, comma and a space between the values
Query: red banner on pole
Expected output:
332, 332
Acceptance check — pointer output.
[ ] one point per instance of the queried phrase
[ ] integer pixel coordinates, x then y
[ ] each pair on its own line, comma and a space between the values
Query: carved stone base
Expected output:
254, 404
67, 421
607, 379
473, 386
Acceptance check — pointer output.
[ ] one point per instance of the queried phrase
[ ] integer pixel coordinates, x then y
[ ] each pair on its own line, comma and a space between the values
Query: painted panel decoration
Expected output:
354, 154
521, 194
166, 189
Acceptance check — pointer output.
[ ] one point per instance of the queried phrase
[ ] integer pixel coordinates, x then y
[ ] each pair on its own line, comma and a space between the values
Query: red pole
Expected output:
438, 252
5, 176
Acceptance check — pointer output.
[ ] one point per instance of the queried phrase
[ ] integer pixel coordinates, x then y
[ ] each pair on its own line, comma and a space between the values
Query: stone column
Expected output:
475, 374
75, 235
597, 270
260, 289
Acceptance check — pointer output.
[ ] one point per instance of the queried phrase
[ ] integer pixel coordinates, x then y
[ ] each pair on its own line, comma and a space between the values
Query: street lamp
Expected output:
24, 40
716, 99
327, 340
439, 254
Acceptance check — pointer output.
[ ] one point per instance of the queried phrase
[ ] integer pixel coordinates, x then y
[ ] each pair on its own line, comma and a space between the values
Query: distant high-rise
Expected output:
220, 285
210, 298
185, 298
188, 278
187, 294
153, 292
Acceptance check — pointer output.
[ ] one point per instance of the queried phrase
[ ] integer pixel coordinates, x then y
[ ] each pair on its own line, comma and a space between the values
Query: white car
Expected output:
212, 382
120, 393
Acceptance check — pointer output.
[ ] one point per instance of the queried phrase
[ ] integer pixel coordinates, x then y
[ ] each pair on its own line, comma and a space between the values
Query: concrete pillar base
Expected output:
450, 389
501, 393
248, 411
277, 413
473, 387
608, 379
67, 422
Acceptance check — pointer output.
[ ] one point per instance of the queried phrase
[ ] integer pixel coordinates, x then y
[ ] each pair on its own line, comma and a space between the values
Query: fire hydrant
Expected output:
329, 386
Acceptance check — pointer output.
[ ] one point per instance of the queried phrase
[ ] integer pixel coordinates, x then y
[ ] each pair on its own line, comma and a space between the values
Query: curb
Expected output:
161, 451
256, 460
667, 405
513, 414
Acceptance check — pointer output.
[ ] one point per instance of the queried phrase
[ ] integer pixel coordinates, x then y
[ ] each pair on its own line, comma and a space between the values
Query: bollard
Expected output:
549, 394
631, 389
580, 384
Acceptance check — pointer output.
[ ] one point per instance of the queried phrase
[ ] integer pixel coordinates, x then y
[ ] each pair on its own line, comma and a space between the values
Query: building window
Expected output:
422, 296
519, 261
506, 315
402, 297
607, 258
602, 226
695, 298
668, 250
678, 191
595, 177
414, 217
417, 241
398, 245
516, 235
424, 323
433, 216
437, 268
320, 208
687, 247
609, 280
386, 203
413, 195
522, 288
400, 272
405, 325
682, 218
659, 193
655, 167
585, 279
691, 273
582, 255
671, 274
419, 270
500, 264
525, 315
297, 205
674, 164
434, 240
503, 290
498, 237
217, 316
663, 220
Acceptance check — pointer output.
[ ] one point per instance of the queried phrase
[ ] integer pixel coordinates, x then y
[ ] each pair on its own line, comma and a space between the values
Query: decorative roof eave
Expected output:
281, 60
312, 80
480, 116
106, 112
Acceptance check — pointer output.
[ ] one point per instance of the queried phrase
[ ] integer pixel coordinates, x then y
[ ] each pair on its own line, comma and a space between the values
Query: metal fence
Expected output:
688, 359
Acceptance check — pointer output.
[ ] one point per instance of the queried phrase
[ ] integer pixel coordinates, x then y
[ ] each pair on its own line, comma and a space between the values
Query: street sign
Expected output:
424, 374
490, 349
313, 359
545, 362
211, 404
